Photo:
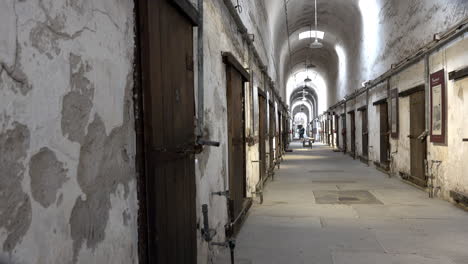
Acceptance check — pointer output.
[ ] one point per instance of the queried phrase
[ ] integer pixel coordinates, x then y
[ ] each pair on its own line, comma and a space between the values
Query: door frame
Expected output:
408, 93
235, 221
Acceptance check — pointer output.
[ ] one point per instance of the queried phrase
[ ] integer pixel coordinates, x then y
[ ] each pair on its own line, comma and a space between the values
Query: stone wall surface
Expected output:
221, 35
67, 140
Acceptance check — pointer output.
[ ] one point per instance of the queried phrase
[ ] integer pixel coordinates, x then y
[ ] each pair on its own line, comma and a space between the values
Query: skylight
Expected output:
311, 34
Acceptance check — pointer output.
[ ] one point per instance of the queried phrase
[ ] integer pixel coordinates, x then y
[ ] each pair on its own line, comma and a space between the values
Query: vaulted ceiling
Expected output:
341, 22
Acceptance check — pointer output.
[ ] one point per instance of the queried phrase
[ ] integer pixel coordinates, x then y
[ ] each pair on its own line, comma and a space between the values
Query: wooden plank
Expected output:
458, 74
262, 93
411, 91
228, 58
188, 10
362, 108
381, 101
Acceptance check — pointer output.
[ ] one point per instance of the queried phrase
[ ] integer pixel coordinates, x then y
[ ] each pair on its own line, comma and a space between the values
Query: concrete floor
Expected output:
386, 221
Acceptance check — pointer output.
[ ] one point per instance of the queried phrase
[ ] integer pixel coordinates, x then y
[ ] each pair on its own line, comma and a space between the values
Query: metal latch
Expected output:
221, 193
207, 232
423, 135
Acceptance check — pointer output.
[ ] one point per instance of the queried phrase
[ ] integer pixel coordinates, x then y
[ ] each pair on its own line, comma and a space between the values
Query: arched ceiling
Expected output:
339, 19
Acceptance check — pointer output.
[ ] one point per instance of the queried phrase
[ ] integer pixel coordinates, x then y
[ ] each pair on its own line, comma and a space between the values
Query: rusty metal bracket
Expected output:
221, 193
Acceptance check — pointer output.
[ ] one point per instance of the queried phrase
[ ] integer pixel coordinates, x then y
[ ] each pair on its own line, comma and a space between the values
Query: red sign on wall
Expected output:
438, 107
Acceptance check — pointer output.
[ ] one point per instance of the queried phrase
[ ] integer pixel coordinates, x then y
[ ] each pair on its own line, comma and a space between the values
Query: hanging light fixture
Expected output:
316, 44
307, 80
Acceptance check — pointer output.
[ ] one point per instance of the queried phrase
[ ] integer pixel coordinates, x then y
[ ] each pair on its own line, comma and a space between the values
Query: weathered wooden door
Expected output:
384, 135
167, 79
344, 133
417, 147
262, 134
463, 84
236, 143
365, 134
278, 136
337, 130
353, 133
271, 133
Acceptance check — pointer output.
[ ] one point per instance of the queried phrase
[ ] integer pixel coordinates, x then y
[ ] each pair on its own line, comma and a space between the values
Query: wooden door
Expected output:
286, 132
278, 137
271, 133
463, 84
167, 79
384, 135
263, 134
332, 135
236, 144
417, 148
344, 133
353, 133
337, 130
365, 134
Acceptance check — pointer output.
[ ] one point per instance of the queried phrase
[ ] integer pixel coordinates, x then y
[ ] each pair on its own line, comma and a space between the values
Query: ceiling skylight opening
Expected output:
311, 34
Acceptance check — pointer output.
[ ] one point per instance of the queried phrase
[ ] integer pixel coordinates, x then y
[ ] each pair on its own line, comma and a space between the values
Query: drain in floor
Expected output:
326, 171
345, 197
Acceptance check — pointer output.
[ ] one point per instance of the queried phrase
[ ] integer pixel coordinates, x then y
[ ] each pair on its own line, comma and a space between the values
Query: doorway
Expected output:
344, 133
365, 134
417, 147
263, 133
236, 77
337, 130
384, 136
166, 136
271, 133
278, 138
353, 133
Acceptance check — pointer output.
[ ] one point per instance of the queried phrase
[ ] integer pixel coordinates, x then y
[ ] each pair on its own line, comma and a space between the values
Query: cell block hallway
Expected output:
233, 131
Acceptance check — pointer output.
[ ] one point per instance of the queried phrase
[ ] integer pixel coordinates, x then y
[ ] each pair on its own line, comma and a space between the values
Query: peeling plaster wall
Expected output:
452, 173
397, 30
67, 139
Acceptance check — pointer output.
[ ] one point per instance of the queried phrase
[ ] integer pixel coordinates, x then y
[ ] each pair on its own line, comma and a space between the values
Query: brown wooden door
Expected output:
337, 130
236, 143
263, 135
278, 137
365, 134
463, 84
271, 133
353, 133
344, 133
384, 135
168, 113
418, 148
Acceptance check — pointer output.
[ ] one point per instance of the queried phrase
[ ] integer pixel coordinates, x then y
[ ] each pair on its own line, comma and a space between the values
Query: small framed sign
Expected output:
438, 107
394, 113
